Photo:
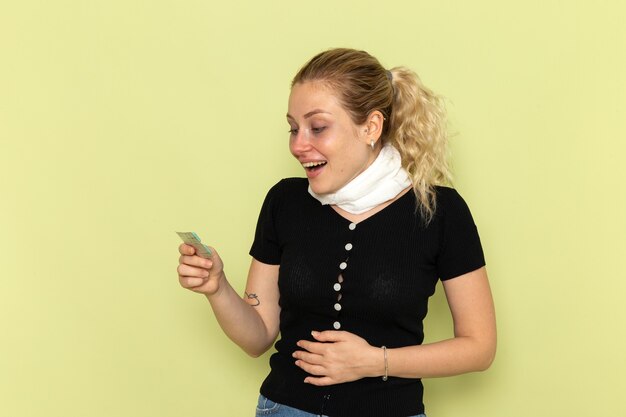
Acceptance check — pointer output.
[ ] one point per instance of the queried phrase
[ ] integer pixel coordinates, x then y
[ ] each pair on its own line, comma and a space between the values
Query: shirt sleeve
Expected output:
461, 251
266, 247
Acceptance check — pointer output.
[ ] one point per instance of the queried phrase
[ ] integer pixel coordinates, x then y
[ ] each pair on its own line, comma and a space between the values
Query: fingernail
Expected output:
315, 333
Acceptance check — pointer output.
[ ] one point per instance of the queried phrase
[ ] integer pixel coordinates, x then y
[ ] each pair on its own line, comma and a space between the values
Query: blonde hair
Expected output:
416, 116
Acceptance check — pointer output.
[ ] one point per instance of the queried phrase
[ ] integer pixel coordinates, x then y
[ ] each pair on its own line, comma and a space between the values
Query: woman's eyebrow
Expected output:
309, 114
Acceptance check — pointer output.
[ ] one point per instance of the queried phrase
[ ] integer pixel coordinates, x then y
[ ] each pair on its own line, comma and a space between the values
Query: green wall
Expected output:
123, 121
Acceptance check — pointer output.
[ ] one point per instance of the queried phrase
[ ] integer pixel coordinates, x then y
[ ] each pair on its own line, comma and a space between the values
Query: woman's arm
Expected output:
252, 322
473, 347
342, 356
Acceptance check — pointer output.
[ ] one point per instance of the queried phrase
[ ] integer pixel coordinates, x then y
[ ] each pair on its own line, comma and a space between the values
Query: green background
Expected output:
123, 121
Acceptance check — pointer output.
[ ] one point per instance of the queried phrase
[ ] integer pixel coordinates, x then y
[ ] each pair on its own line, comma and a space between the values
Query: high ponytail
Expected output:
418, 131
415, 116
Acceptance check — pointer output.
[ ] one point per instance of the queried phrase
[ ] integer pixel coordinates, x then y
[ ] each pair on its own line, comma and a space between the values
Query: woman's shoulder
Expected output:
451, 206
290, 185
445, 190
448, 196
288, 190
449, 202
295, 183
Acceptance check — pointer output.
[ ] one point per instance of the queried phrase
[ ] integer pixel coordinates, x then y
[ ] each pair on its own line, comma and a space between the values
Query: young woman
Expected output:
344, 260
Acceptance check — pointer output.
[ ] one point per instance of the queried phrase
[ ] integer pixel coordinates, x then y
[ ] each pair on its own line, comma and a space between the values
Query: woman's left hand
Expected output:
338, 356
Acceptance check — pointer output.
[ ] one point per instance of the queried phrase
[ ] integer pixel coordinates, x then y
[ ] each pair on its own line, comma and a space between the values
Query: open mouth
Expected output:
313, 166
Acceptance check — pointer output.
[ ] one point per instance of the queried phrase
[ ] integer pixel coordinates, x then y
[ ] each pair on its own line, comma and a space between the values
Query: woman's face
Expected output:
331, 148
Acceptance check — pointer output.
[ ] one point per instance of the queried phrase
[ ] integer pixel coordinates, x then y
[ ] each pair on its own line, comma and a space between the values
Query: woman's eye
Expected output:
315, 130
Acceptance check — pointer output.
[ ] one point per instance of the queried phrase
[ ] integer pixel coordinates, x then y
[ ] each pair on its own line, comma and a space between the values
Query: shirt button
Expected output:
337, 306
337, 325
349, 246
343, 265
352, 226
337, 287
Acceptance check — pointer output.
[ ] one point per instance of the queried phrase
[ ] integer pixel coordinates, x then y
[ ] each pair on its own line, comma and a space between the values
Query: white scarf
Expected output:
380, 182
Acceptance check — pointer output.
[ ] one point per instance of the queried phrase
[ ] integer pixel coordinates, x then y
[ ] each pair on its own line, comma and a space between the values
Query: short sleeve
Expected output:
266, 247
460, 251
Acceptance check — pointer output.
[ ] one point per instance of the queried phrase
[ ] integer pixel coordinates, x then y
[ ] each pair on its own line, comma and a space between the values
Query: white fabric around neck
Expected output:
380, 182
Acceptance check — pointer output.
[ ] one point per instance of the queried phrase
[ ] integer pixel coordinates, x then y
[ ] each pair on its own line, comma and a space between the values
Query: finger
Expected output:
320, 382
329, 336
195, 261
187, 282
185, 249
191, 271
311, 369
312, 358
313, 347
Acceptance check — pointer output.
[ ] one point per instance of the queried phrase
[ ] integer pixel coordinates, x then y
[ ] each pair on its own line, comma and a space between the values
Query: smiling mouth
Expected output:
313, 166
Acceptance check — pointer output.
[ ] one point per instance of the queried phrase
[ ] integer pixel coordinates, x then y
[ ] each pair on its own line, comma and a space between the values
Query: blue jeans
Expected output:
267, 407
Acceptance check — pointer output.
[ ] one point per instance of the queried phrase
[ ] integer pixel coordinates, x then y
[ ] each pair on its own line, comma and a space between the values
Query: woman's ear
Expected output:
373, 127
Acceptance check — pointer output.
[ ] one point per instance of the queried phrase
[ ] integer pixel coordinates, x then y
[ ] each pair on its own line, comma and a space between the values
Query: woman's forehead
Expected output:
312, 95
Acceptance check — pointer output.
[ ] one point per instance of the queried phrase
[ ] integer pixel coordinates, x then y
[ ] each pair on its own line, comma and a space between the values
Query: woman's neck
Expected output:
356, 218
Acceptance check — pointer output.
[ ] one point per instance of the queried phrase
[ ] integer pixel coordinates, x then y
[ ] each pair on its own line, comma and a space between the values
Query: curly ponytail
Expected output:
418, 131
416, 116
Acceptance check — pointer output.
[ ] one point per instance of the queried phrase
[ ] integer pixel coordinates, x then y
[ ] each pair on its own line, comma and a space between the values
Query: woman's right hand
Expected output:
198, 274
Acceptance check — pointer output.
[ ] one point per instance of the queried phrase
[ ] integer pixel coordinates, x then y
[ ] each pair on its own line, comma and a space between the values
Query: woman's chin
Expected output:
321, 189
317, 190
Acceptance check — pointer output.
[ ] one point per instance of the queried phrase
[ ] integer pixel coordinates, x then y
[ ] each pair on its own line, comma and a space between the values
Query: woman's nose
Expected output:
299, 142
